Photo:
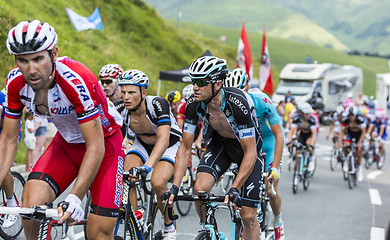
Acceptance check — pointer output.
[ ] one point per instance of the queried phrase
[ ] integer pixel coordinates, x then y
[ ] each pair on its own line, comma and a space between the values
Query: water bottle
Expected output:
139, 215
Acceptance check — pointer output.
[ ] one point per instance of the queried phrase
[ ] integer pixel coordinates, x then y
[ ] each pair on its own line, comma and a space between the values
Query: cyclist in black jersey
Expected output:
353, 126
230, 123
157, 137
304, 125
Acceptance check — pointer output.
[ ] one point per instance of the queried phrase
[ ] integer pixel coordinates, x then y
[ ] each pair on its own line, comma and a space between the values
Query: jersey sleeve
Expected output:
192, 118
270, 111
13, 104
161, 108
181, 111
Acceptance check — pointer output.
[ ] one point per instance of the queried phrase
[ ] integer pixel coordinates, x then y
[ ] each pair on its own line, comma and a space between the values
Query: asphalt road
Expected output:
327, 210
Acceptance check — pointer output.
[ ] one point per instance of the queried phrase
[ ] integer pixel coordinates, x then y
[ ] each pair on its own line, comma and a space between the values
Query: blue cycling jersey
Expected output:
378, 124
266, 113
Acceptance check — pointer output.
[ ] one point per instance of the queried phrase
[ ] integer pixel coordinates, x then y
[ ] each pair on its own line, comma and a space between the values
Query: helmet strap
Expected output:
213, 94
116, 88
139, 104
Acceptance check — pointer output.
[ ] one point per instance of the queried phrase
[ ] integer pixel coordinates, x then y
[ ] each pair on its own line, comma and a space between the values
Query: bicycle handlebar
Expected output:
32, 211
126, 175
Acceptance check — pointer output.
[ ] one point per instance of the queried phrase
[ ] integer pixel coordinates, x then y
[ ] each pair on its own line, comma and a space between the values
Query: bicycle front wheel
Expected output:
186, 188
239, 232
14, 230
203, 235
306, 180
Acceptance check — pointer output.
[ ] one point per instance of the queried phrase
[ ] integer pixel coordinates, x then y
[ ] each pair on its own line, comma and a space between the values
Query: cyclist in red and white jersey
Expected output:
87, 145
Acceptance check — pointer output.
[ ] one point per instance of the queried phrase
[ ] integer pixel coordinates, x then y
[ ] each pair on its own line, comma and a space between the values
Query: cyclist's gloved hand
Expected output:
171, 194
276, 173
140, 171
234, 197
72, 207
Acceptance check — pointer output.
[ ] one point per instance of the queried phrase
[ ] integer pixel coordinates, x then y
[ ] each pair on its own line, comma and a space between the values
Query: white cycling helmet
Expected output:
31, 37
236, 78
208, 67
340, 110
304, 107
134, 77
110, 70
188, 91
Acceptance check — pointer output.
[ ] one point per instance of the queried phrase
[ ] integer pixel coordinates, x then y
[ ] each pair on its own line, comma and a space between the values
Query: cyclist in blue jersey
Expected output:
230, 124
378, 128
273, 140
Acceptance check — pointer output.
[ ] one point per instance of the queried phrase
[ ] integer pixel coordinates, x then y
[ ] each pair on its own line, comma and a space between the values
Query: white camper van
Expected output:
383, 92
330, 83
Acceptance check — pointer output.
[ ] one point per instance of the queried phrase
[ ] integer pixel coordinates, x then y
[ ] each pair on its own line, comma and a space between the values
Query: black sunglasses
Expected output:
108, 81
200, 82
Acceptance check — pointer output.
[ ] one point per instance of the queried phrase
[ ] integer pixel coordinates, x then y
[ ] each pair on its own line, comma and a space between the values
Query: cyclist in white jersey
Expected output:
157, 137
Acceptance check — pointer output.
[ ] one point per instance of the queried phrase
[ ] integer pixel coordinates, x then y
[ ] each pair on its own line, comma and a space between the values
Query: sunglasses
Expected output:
107, 82
200, 82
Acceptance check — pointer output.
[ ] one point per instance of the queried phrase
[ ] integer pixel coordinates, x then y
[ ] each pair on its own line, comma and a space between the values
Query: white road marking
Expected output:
377, 233
375, 197
374, 174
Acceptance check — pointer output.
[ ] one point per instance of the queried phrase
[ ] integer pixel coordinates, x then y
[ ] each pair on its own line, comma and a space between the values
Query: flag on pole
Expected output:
265, 69
244, 56
81, 23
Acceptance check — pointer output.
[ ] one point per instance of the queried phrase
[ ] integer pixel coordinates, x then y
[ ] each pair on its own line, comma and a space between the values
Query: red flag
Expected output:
244, 56
265, 69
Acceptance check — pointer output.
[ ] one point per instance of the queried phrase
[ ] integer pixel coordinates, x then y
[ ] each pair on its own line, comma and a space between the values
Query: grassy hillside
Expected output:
281, 21
134, 36
284, 51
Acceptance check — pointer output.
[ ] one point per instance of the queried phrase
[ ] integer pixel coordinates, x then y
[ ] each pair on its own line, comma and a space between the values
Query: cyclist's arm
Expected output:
330, 129
180, 122
279, 143
248, 161
183, 157
162, 143
381, 130
94, 141
341, 135
314, 136
370, 128
8, 145
363, 134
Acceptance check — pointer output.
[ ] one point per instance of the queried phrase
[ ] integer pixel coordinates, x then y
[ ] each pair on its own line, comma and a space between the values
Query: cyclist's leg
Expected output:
212, 165
136, 157
106, 191
51, 175
162, 172
8, 185
250, 195
275, 200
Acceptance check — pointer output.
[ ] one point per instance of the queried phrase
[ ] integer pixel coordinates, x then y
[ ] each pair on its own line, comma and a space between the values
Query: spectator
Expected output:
288, 97
359, 100
281, 108
40, 135
29, 138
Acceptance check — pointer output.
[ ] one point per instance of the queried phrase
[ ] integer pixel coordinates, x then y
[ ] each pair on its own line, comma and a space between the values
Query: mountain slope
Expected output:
280, 21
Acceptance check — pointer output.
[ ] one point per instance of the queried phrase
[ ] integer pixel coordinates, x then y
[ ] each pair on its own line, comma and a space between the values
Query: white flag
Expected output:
81, 23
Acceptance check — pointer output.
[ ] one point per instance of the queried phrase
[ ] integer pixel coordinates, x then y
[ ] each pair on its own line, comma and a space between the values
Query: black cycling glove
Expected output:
234, 196
173, 191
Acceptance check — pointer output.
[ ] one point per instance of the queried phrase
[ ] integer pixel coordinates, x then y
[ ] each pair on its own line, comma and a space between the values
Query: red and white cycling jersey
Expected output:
75, 97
